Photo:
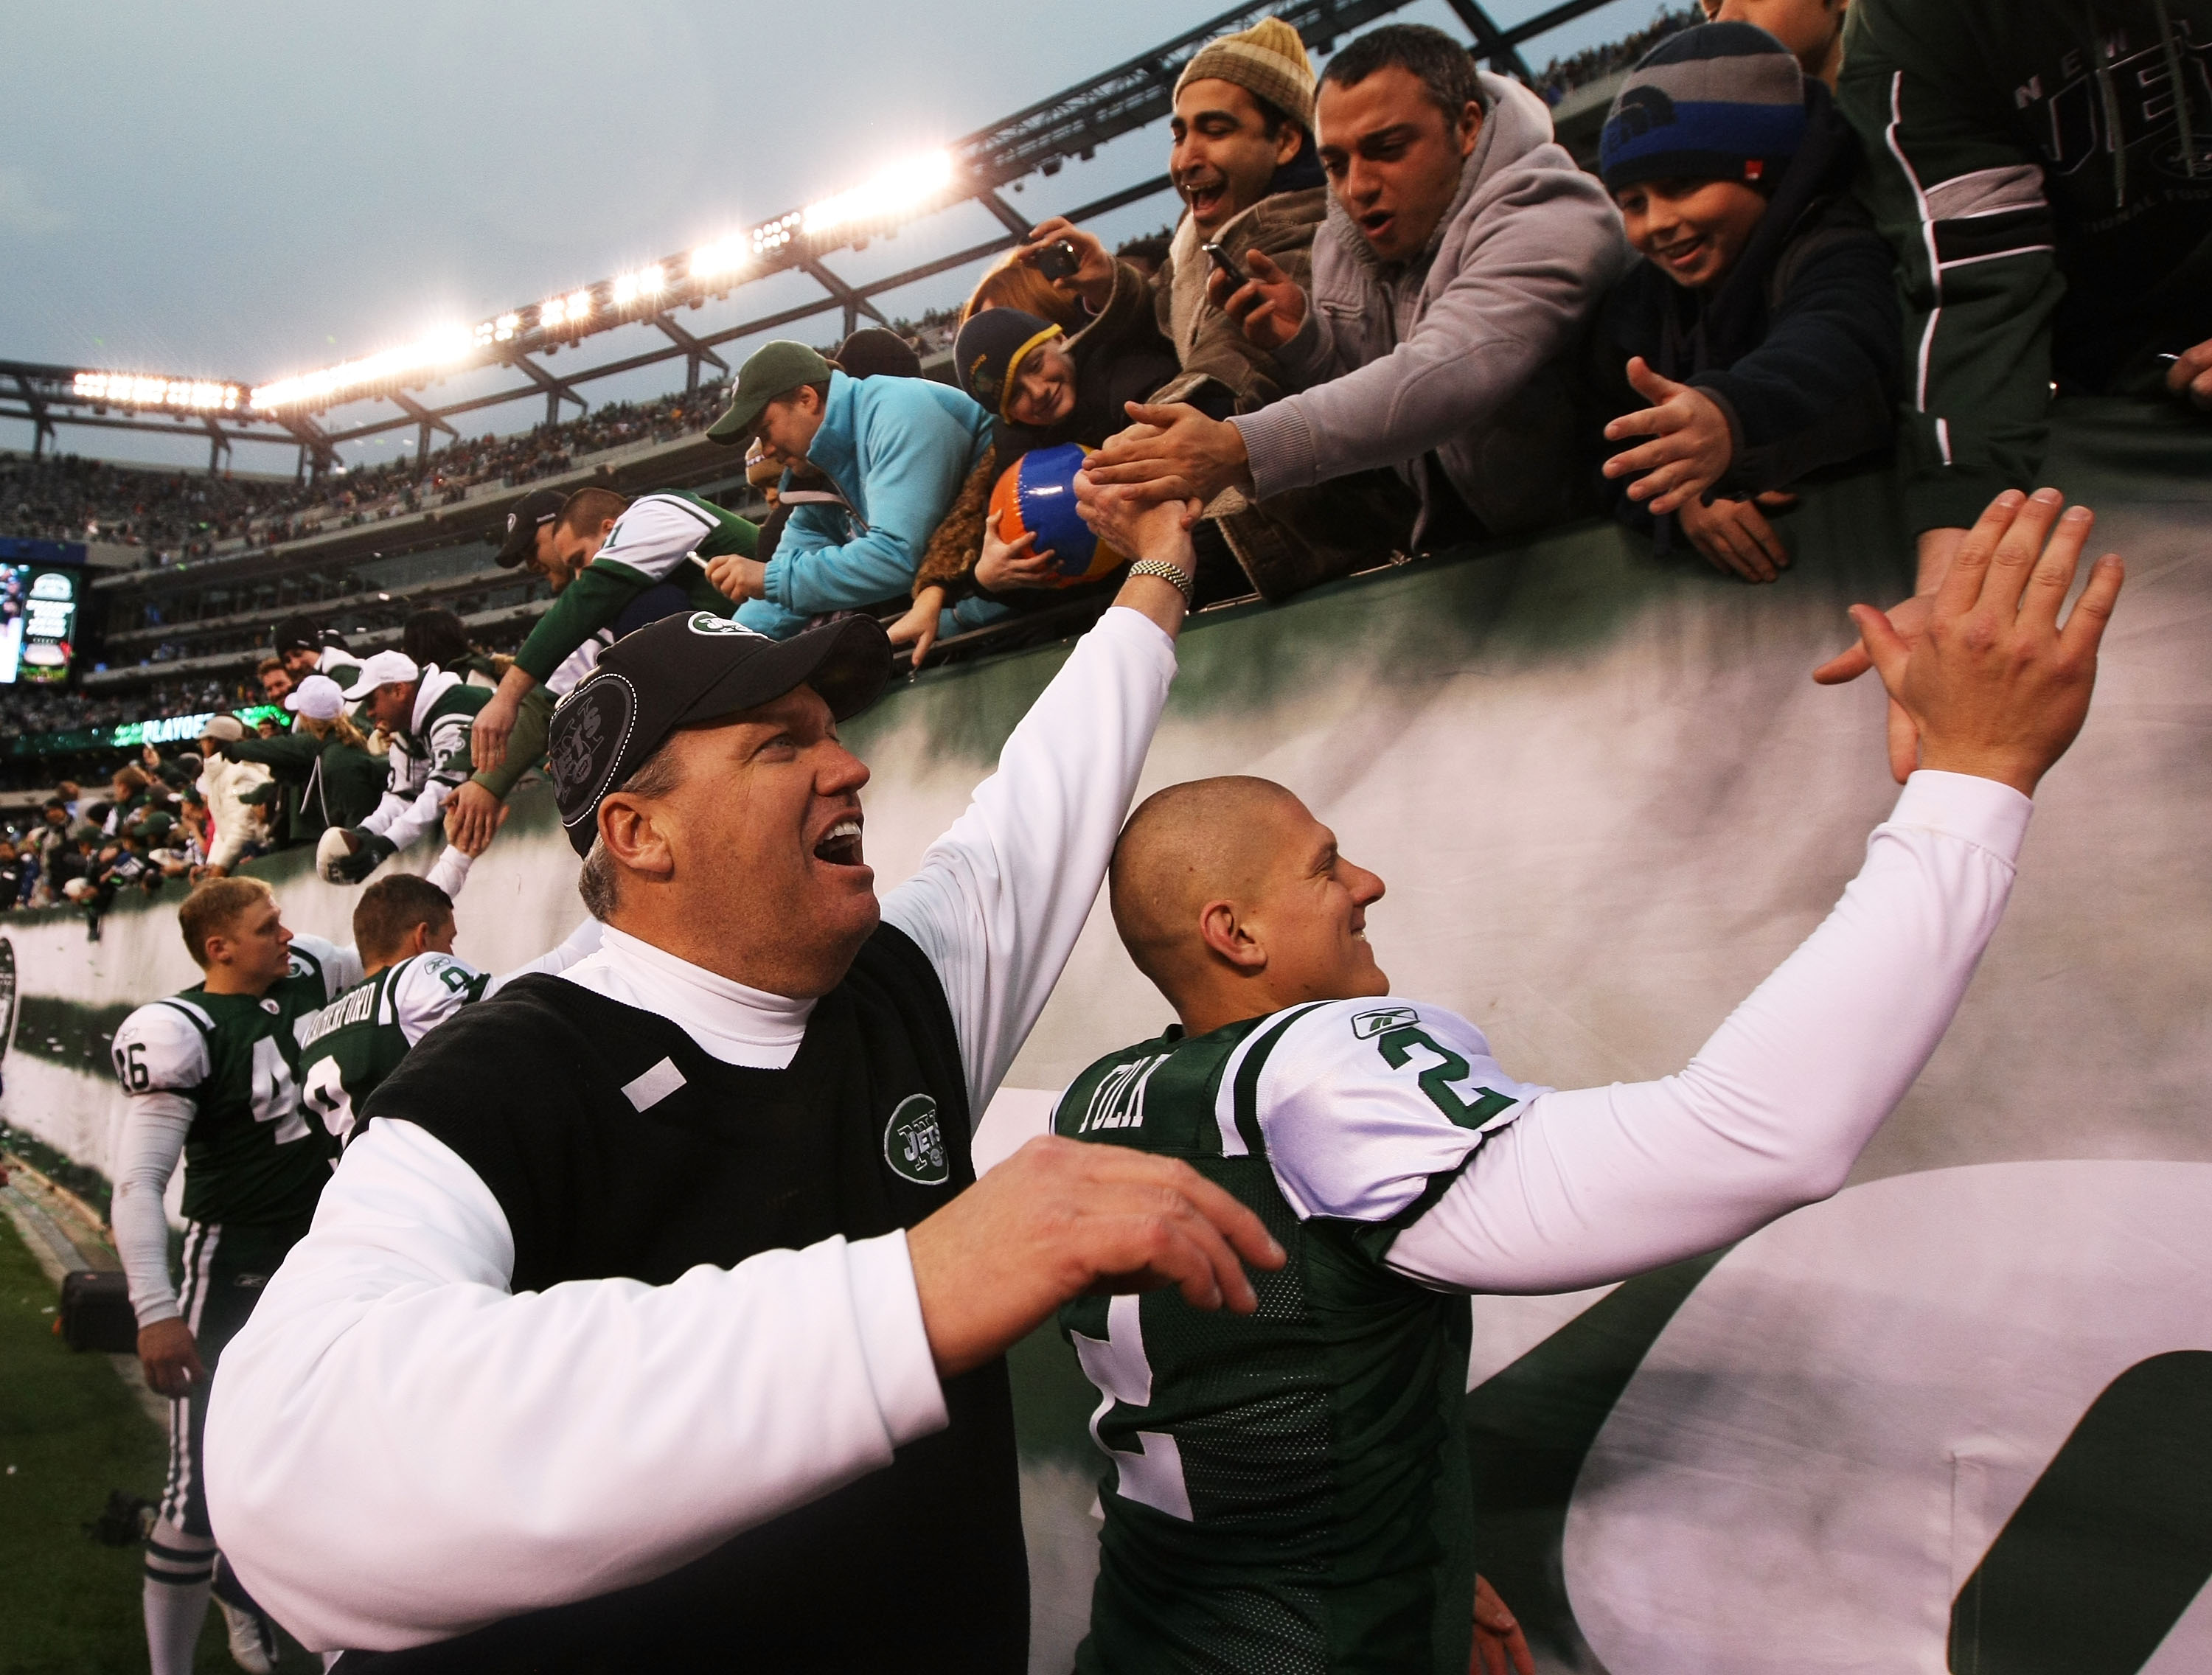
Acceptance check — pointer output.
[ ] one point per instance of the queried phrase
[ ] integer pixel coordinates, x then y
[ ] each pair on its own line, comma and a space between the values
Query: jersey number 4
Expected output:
275, 1096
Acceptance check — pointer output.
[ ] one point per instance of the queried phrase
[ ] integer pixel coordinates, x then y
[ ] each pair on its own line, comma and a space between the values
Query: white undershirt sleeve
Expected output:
999, 899
1597, 1184
153, 1140
399, 1449
450, 871
582, 942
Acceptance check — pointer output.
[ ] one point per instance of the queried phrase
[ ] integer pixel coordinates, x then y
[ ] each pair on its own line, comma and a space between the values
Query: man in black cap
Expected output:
472, 811
307, 648
628, 562
653, 1322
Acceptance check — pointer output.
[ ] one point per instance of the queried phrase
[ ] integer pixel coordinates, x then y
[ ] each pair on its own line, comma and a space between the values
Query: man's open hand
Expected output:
1995, 686
1691, 447
1172, 453
1061, 1219
1135, 525
170, 1358
1269, 307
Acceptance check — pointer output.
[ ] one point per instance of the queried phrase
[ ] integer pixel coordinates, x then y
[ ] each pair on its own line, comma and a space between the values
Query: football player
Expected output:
412, 981
212, 1075
1288, 1488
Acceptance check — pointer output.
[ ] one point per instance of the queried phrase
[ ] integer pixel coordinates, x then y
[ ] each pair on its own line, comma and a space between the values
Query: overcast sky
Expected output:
246, 190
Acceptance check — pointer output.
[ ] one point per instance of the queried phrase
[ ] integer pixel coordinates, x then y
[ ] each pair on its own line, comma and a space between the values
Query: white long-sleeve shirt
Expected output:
1365, 1107
400, 1449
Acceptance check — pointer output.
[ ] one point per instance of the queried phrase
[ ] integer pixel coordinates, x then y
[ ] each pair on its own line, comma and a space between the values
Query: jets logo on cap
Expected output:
590, 731
705, 622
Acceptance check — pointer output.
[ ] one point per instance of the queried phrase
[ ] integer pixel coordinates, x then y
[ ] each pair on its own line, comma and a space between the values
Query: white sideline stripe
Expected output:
645, 1091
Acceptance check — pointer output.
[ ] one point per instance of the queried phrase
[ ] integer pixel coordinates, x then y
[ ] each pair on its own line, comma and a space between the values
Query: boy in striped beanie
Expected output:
1760, 327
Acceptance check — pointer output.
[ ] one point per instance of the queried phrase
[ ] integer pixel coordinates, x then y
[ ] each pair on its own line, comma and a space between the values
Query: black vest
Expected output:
918, 1567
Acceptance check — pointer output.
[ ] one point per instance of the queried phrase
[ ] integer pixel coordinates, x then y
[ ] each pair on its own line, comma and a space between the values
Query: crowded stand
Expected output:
1395, 320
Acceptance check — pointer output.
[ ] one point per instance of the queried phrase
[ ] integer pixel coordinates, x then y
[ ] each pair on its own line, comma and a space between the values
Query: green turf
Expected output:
70, 1431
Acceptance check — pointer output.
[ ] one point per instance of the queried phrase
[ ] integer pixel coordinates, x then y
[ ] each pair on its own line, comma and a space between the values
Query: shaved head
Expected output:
1233, 900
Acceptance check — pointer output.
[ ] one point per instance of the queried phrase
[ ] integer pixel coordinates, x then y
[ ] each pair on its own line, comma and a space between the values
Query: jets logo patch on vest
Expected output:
913, 1143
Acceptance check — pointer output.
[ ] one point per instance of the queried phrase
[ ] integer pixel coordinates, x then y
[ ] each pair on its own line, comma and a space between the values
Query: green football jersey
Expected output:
351, 1045
250, 1153
1288, 1490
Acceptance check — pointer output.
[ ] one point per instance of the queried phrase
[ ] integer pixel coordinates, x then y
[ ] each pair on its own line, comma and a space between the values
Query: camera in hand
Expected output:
1057, 261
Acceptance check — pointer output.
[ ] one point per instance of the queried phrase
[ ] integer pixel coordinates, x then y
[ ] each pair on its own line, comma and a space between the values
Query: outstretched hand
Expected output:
1993, 685
1171, 453
1691, 447
1269, 307
1061, 1219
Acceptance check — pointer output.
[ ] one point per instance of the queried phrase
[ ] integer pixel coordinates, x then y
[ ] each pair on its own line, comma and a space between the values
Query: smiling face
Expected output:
1223, 157
1392, 157
1044, 387
1236, 902
751, 864
1309, 913
1693, 231
276, 685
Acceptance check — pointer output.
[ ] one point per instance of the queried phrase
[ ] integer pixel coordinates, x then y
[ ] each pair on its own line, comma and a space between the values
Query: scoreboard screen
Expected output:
38, 621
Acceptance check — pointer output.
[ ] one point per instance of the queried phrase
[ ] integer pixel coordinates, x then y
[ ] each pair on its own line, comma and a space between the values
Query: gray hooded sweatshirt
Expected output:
1451, 351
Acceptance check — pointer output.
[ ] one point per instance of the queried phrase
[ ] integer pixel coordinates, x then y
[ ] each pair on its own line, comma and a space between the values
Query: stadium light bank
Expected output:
182, 395
908, 189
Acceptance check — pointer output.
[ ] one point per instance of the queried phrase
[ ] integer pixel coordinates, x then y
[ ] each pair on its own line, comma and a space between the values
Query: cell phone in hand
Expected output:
1226, 262
1057, 261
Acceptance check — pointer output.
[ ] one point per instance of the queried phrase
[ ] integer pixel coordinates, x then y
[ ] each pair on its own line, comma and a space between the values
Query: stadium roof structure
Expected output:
1040, 138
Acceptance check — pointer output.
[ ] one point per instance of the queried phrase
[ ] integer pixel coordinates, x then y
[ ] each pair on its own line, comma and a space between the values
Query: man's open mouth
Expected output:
841, 844
1375, 222
1204, 196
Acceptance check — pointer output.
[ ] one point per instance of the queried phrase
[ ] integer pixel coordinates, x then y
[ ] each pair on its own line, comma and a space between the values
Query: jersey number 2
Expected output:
275, 1096
1396, 1048
1118, 1365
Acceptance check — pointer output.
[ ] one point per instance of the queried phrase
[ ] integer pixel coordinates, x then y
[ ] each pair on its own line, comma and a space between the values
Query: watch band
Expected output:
1174, 574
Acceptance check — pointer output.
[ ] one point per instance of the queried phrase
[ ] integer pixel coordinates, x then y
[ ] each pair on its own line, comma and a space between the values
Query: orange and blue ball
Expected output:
1036, 495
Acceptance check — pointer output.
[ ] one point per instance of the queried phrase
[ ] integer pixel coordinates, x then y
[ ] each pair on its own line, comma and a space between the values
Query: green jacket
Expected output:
654, 541
326, 781
2049, 200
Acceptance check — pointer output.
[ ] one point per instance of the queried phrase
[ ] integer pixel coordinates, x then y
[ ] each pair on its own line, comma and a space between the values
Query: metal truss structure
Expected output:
1040, 139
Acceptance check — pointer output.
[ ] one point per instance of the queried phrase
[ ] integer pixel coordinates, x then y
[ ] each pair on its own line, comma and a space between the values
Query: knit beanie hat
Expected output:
1720, 101
990, 347
1268, 60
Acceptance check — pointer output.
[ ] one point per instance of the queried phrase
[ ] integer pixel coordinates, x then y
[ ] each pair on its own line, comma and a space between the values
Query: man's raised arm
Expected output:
999, 900
1601, 1183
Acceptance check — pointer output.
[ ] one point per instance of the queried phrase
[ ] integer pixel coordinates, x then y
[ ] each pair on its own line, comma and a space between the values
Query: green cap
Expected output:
772, 370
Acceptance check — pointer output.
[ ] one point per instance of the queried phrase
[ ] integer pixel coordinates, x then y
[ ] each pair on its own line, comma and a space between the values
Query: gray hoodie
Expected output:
1449, 351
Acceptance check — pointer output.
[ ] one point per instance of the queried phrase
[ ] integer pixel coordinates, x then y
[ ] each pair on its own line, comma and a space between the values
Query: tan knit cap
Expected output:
1268, 60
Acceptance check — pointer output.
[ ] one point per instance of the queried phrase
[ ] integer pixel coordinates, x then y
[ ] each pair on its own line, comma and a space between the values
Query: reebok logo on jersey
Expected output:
1118, 1101
1368, 1025
913, 1143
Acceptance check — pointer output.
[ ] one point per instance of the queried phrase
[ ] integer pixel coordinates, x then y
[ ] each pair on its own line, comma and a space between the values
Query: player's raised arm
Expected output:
999, 899
1599, 1183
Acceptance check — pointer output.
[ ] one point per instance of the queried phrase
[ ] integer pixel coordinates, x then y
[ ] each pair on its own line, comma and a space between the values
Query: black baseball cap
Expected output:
688, 668
536, 509
297, 634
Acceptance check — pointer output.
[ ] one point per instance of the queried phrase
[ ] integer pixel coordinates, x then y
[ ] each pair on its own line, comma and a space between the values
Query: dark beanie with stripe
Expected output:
1721, 102
990, 350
